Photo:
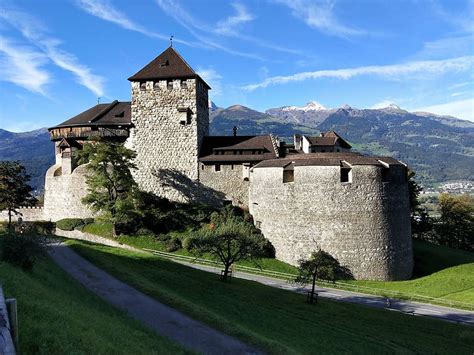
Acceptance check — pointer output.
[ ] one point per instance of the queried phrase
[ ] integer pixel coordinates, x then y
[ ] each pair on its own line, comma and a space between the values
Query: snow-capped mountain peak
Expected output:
310, 106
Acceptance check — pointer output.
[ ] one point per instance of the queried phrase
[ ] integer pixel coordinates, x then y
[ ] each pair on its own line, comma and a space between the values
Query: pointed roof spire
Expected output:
168, 65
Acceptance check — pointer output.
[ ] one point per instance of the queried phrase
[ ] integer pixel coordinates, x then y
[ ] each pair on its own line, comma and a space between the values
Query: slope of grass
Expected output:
442, 273
277, 320
58, 316
439, 272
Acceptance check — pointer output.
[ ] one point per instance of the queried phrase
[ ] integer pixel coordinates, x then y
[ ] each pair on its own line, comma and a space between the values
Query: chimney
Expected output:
235, 131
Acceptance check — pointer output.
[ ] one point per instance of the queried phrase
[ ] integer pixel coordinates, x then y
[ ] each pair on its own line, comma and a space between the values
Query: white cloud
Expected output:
463, 109
23, 66
320, 15
449, 46
70, 63
37, 35
104, 10
228, 25
394, 72
213, 78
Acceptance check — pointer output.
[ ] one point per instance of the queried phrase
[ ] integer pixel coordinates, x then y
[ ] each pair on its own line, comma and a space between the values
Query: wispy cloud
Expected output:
48, 49
196, 27
463, 109
23, 66
104, 10
320, 15
396, 71
213, 78
229, 25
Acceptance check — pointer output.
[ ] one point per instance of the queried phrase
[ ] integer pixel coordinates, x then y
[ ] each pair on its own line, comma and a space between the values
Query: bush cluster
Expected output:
22, 250
69, 224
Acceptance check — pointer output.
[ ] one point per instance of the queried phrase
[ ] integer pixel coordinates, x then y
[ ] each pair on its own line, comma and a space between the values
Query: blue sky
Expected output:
58, 56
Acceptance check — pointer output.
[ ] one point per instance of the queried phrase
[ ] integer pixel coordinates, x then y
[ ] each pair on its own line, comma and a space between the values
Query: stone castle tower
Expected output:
170, 118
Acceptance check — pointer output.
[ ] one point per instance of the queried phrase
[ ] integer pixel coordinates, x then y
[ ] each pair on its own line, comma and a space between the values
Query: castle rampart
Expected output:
63, 194
364, 222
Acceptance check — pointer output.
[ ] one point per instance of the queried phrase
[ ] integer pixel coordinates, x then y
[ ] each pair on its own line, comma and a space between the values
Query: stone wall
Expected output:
6, 342
364, 224
229, 180
88, 237
168, 127
63, 194
27, 214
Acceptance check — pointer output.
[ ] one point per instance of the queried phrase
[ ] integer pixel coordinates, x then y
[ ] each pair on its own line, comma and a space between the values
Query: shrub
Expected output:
44, 227
22, 250
144, 231
188, 243
69, 224
173, 244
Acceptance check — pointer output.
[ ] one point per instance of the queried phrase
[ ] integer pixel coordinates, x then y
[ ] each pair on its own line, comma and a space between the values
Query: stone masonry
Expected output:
170, 119
365, 224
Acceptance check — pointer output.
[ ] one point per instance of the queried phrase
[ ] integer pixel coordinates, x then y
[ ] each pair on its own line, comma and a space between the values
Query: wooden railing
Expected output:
88, 133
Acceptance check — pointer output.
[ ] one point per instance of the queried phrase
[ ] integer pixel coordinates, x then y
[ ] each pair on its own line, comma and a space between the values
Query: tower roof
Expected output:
168, 65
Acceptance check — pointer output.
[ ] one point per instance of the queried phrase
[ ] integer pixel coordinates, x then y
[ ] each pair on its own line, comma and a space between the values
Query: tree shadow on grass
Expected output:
431, 258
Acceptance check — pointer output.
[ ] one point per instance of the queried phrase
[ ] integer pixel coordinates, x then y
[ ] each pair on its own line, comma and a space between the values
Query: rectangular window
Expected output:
202, 167
346, 175
288, 176
142, 86
232, 167
385, 174
169, 84
258, 224
217, 167
184, 84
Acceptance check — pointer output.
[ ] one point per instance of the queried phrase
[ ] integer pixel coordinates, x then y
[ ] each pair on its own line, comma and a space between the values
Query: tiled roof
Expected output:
329, 138
112, 114
213, 144
168, 65
327, 159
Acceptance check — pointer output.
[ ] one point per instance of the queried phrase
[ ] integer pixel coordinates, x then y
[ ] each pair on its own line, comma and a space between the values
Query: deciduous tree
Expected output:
14, 189
455, 227
319, 266
230, 241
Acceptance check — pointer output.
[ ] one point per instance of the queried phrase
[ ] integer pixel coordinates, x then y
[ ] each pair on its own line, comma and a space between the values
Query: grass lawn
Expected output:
440, 272
58, 316
276, 320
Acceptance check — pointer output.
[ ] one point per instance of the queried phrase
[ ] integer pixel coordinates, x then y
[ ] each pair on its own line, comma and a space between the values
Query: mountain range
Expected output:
437, 148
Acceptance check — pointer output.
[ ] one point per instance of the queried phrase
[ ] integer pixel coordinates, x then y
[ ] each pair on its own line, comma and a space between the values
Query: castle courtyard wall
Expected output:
229, 180
365, 224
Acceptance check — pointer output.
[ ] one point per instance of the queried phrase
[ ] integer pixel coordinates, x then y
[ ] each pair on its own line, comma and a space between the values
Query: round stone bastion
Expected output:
356, 208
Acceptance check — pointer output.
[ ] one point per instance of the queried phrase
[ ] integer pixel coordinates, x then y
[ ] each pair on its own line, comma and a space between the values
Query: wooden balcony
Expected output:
87, 132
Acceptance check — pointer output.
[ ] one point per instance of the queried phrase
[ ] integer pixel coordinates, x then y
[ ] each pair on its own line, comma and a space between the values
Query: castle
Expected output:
313, 192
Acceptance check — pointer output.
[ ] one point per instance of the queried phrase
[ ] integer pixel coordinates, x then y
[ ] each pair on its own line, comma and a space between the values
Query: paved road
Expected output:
409, 307
164, 320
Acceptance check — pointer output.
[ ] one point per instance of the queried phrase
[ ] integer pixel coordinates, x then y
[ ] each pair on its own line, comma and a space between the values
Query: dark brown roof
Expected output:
112, 114
69, 143
168, 65
245, 144
329, 138
327, 159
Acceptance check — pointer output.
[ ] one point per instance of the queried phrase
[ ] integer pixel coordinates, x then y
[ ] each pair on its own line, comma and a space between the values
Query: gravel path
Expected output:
165, 320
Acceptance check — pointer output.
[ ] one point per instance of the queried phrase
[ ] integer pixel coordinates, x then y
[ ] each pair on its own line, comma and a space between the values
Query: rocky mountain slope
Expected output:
438, 148
33, 149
